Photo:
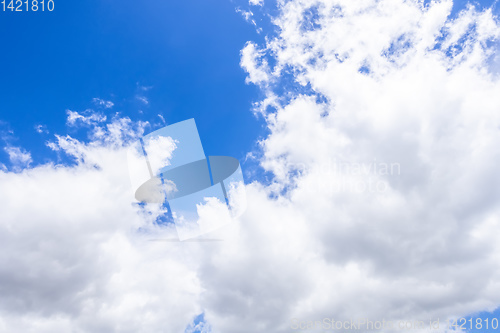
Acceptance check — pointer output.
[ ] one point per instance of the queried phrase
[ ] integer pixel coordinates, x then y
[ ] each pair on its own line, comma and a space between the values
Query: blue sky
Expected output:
187, 52
177, 59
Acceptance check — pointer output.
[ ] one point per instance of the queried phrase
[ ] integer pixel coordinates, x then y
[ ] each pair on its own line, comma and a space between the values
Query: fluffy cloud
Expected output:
160, 152
18, 156
383, 148
251, 62
72, 256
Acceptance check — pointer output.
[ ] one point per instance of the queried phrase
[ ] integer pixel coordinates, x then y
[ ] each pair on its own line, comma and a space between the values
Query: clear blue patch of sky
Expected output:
199, 325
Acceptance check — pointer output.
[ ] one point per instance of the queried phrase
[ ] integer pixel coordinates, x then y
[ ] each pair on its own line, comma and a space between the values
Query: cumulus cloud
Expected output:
368, 83
73, 258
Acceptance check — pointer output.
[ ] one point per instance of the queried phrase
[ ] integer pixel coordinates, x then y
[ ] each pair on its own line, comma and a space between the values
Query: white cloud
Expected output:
248, 16
394, 82
253, 63
162, 119
75, 118
101, 102
160, 150
80, 262
112, 135
42, 129
256, 2
143, 99
213, 214
18, 156
144, 88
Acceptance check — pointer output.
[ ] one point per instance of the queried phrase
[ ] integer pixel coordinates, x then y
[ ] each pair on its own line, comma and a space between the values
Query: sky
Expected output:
367, 133
171, 59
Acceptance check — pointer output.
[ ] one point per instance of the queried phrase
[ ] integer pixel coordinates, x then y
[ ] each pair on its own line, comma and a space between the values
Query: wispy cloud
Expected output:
162, 119
248, 16
142, 99
256, 2
103, 103
19, 157
42, 129
140, 95
74, 118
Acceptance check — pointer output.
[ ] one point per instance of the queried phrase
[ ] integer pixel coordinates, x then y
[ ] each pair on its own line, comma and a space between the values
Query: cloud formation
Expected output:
73, 258
351, 88
387, 82
19, 157
103, 103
